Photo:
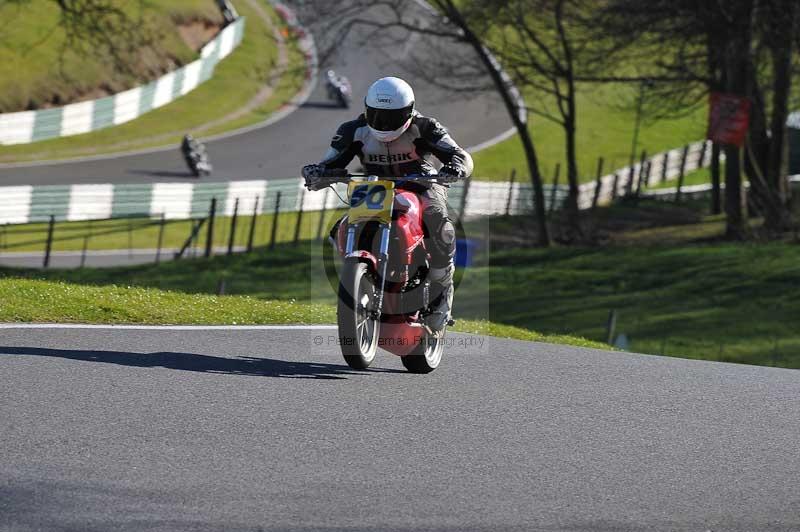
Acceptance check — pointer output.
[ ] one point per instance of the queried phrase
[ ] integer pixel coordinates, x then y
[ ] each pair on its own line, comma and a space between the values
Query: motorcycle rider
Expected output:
195, 154
391, 138
337, 85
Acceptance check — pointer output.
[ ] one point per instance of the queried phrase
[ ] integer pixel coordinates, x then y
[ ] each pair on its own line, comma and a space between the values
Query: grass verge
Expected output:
32, 300
237, 79
676, 288
43, 301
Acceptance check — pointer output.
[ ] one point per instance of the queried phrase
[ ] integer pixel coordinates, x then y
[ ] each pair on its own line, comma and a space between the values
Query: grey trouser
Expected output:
440, 233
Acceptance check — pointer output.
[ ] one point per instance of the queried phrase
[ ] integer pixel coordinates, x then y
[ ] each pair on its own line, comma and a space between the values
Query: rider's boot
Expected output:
441, 291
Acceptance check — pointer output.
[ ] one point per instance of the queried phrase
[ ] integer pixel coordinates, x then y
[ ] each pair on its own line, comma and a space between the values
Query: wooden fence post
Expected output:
49, 244
510, 191
555, 188
614, 186
647, 173
252, 226
85, 248
701, 159
664, 166
130, 238
599, 185
299, 217
275, 220
631, 176
642, 161
160, 241
212, 213
232, 235
682, 173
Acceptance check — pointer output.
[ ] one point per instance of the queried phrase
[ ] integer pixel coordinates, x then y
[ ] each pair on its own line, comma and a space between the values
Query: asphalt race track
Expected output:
265, 430
281, 149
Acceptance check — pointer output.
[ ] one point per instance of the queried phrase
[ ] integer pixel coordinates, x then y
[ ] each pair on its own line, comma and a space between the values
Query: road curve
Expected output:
246, 430
280, 149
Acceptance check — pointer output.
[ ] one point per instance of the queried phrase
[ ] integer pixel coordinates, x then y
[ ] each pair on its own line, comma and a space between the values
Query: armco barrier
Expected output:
697, 156
182, 200
701, 191
23, 204
82, 117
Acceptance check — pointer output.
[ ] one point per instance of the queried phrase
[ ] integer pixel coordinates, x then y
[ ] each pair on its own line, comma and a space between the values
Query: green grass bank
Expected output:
690, 297
605, 125
39, 67
219, 105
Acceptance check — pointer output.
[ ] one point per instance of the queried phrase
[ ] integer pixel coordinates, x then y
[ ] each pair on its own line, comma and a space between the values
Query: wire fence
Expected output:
174, 216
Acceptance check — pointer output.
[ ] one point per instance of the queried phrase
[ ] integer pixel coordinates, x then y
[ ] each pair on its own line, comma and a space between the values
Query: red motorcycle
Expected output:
384, 293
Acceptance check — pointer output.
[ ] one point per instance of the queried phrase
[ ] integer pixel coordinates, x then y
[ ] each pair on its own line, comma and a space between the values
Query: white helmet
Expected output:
390, 106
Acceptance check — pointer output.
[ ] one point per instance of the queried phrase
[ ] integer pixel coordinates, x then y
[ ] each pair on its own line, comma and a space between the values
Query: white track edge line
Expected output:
492, 141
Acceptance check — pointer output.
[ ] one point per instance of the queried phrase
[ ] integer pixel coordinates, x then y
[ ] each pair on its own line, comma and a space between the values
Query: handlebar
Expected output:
333, 176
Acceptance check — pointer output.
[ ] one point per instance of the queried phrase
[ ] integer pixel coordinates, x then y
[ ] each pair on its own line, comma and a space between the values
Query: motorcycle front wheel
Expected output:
358, 328
426, 356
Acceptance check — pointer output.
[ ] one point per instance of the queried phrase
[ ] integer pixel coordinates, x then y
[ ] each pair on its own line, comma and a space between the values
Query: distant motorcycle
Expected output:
384, 292
196, 157
339, 89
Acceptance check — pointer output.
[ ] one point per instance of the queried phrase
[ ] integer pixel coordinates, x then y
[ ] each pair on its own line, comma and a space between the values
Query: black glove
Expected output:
313, 174
450, 173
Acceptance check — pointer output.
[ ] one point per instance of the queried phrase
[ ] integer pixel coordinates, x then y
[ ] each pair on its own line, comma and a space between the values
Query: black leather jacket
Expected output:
407, 155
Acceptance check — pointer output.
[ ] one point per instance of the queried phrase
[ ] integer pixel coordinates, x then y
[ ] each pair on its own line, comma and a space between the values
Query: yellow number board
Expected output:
370, 200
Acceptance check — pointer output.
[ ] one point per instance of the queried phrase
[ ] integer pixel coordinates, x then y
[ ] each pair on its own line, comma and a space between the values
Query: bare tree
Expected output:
444, 27
724, 46
776, 25
546, 47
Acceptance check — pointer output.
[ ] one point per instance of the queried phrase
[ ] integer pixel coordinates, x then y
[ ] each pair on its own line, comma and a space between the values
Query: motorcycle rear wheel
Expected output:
427, 356
358, 331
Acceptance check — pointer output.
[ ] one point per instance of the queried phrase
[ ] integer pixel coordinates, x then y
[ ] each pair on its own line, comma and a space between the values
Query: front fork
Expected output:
383, 260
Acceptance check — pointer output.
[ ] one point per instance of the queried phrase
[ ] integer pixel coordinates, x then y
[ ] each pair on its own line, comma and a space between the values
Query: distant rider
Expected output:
392, 139
336, 84
195, 154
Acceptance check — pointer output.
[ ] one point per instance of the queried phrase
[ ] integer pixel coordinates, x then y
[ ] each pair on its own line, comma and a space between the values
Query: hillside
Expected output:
40, 67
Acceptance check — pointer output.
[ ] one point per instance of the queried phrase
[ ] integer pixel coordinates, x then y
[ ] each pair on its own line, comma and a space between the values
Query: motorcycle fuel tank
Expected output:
408, 226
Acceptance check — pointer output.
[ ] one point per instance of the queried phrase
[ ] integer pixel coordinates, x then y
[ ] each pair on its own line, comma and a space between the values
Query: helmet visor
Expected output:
388, 119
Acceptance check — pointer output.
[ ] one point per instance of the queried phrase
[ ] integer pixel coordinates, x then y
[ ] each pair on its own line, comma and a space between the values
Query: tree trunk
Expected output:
785, 15
734, 199
716, 200
755, 157
776, 160
573, 213
765, 155
517, 117
737, 63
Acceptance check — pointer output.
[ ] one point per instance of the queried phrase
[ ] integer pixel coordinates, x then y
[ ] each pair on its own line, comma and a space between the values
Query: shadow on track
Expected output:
252, 366
322, 105
163, 173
